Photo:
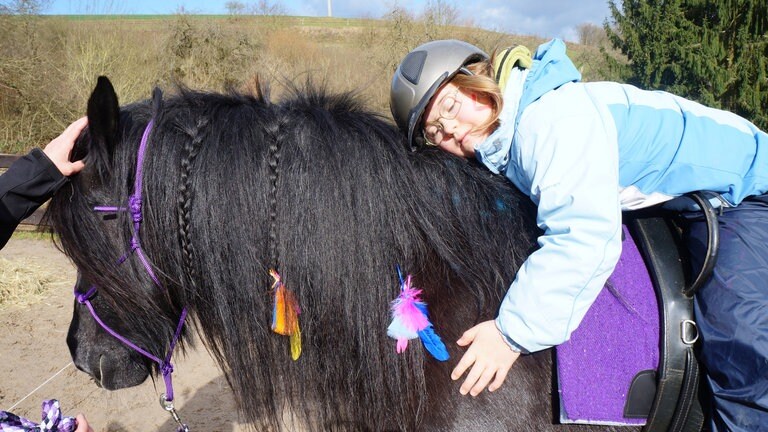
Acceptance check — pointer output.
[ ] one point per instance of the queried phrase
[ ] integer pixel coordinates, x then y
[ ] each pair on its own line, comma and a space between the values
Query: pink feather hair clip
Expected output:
410, 320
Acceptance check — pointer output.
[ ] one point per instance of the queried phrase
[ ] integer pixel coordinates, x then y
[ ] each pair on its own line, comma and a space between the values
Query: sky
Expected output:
544, 18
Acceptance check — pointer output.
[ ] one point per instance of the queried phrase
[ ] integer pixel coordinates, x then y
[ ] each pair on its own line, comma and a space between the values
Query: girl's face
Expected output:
453, 118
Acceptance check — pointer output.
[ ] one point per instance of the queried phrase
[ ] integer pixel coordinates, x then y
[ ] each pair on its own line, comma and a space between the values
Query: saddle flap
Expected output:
617, 340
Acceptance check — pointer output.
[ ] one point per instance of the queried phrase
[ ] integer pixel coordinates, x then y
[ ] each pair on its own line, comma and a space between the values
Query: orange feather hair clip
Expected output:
285, 313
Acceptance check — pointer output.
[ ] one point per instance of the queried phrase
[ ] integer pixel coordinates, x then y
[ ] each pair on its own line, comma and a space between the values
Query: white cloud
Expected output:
546, 18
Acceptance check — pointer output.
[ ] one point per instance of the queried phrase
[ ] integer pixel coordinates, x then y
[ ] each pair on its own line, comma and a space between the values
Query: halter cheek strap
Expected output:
135, 209
135, 205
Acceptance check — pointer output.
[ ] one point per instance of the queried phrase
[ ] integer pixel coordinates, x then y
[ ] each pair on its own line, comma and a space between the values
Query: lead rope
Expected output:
52, 420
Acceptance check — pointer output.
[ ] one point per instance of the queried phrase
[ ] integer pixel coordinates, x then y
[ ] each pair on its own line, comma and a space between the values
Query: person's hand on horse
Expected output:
59, 148
489, 356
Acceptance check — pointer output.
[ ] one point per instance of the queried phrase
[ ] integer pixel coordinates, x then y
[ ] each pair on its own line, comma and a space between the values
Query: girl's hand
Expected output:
490, 358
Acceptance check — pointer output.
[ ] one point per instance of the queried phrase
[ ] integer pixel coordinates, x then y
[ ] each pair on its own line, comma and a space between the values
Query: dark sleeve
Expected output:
27, 184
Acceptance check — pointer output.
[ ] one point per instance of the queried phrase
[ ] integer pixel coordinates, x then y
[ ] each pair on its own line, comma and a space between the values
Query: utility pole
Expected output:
330, 10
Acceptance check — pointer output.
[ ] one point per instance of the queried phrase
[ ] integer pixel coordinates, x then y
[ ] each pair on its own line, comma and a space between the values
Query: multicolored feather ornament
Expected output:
285, 313
411, 320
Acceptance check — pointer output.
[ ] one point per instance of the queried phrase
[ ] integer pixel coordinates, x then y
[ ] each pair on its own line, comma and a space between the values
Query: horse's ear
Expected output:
103, 118
157, 101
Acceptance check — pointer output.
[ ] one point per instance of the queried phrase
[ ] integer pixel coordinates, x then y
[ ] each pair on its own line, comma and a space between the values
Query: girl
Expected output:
584, 152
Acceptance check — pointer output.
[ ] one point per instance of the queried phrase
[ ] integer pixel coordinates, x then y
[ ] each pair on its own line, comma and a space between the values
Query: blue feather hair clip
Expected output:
410, 320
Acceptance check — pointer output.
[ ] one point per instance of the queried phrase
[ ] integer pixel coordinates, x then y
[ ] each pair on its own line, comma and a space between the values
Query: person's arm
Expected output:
575, 187
572, 166
35, 177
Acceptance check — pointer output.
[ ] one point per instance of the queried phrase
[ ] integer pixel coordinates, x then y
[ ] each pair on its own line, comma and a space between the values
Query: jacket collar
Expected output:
551, 69
494, 151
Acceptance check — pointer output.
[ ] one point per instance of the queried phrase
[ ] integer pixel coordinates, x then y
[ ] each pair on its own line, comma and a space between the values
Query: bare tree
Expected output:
265, 7
440, 13
235, 7
592, 35
23, 7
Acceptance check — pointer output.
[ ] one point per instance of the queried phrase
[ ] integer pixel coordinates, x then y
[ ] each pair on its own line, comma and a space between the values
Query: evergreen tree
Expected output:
712, 51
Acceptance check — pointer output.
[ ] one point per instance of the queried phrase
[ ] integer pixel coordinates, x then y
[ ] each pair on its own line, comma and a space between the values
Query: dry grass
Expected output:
23, 283
48, 65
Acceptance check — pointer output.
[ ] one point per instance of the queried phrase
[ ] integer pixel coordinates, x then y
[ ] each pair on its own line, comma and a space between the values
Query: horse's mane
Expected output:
328, 193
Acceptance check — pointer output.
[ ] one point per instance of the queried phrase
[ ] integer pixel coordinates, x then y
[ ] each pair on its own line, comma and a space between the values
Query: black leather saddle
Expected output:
675, 406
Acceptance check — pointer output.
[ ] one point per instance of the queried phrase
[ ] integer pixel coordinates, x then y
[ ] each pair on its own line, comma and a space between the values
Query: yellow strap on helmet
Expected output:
508, 58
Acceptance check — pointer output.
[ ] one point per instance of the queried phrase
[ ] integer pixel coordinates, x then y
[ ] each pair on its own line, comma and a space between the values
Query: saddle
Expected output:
656, 387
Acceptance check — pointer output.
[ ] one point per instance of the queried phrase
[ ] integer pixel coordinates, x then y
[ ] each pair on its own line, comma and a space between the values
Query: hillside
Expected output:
48, 65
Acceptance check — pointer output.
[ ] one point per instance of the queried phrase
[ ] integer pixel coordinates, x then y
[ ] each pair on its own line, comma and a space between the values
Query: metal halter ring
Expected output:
168, 406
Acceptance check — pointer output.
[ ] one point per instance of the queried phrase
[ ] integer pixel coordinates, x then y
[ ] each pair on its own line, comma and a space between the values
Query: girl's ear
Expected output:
103, 118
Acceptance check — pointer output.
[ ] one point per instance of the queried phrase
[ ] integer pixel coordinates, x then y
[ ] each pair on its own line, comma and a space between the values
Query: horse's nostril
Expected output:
98, 373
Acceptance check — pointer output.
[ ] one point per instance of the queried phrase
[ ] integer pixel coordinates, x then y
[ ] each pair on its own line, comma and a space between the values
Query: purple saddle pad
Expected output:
618, 338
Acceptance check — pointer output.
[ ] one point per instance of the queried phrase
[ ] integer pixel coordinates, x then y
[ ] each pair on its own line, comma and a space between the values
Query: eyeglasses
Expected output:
448, 108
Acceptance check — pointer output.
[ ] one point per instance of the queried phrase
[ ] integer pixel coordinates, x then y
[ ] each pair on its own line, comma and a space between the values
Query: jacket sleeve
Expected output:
571, 164
25, 186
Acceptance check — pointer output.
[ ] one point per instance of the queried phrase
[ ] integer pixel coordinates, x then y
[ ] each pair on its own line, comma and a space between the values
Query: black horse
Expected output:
328, 193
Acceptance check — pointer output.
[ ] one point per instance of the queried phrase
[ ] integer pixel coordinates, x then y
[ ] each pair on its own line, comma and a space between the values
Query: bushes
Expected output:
26, 74
206, 54
49, 65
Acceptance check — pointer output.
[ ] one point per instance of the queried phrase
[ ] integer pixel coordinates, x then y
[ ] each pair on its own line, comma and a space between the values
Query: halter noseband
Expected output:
134, 208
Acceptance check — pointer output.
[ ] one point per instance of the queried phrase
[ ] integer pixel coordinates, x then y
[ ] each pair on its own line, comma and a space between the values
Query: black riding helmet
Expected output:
420, 75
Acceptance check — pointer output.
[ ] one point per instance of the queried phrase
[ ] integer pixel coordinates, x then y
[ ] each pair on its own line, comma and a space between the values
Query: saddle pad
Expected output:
618, 338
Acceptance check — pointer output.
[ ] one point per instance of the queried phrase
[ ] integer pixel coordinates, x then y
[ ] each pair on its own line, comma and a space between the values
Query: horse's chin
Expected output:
116, 375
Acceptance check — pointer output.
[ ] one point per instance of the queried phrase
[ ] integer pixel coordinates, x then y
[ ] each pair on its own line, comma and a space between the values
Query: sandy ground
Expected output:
33, 353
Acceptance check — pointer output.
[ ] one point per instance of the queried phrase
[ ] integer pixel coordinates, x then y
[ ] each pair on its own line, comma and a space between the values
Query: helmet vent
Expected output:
412, 65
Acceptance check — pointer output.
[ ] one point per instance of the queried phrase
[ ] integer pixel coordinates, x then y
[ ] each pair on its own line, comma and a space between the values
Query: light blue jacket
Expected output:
584, 152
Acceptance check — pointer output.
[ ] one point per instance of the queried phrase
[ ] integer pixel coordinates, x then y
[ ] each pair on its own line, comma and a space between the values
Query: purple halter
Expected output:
134, 207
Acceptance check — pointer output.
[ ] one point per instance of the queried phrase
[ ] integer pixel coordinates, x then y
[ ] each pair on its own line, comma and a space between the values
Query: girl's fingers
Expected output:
466, 361
472, 379
483, 381
501, 375
467, 337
